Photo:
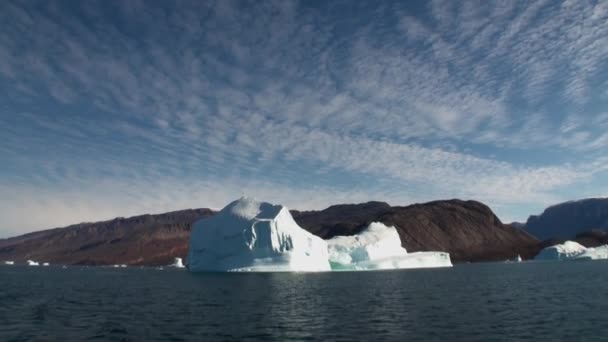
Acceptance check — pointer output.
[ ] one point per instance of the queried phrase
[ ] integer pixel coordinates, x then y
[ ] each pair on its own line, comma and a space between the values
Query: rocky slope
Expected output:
138, 240
566, 220
468, 230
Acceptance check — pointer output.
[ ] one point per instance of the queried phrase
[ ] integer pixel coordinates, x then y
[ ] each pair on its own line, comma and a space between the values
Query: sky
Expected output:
118, 108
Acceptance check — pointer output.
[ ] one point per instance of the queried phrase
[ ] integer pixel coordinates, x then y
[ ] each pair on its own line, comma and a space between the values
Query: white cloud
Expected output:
270, 91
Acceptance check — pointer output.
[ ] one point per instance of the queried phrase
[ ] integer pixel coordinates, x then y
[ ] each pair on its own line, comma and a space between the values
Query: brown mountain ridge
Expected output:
468, 230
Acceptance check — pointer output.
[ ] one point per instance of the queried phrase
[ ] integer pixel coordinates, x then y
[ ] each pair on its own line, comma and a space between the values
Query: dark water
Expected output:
481, 302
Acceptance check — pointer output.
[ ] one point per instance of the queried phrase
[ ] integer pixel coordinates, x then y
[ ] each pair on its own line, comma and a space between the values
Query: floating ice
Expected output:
9, 262
32, 263
517, 259
379, 247
248, 235
46, 264
177, 263
571, 250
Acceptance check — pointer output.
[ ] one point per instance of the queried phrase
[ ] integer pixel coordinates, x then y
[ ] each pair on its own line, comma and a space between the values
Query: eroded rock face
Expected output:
566, 220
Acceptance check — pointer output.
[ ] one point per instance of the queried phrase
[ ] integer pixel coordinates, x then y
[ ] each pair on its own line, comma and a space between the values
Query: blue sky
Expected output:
117, 108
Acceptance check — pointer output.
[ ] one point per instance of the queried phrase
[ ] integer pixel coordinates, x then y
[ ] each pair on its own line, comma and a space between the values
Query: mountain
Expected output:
138, 240
468, 230
566, 220
340, 219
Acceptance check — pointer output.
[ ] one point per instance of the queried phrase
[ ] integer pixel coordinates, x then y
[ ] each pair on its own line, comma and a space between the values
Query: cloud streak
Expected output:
502, 102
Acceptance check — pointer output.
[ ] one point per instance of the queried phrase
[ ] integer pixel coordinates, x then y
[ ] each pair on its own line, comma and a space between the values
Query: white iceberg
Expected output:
9, 262
378, 247
33, 263
517, 259
248, 235
177, 263
46, 264
571, 250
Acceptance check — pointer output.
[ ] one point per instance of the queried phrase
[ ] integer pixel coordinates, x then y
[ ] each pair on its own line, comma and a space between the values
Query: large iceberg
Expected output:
248, 235
571, 250
378, 247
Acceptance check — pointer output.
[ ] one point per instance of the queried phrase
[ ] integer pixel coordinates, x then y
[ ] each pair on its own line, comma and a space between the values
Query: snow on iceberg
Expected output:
248, 235
177, 263
378, 247
571, 250
33, 263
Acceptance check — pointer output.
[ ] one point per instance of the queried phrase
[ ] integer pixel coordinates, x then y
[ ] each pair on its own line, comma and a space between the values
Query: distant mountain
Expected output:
566, 220
468, 230
517, 224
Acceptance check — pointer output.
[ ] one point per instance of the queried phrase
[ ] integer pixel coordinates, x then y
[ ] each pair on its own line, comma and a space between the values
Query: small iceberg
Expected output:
33, 263
378, 247
46, 264
119, 266
177, 263
9, 262
571, 250
252, 236
516, 260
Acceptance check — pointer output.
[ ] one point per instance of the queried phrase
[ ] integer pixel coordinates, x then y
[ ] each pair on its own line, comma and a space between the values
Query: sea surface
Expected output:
549, 301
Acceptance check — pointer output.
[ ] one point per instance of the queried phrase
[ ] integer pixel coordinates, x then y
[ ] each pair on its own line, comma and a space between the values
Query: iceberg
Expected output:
248, 235
571, 250
46, 264
9, 262
32, 263
177, 263
378, 247
517, 259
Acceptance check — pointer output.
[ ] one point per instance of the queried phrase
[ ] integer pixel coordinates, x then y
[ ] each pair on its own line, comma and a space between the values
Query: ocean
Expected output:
550, 301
